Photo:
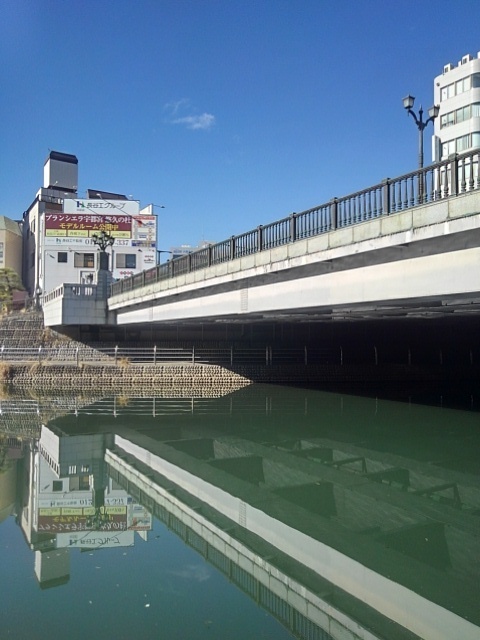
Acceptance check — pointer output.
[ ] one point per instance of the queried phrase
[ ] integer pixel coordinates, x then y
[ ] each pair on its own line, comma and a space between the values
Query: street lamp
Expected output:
159, 254
103, 240
38, 296
421, 125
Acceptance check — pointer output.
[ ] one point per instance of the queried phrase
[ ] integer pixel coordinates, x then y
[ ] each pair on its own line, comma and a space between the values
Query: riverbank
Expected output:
34, 358
195, 378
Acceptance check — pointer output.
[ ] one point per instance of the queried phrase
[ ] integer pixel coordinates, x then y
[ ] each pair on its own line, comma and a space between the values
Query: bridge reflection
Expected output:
344, 517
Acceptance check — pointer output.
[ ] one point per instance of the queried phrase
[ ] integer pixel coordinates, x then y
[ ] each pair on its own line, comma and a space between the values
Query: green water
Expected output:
266, 513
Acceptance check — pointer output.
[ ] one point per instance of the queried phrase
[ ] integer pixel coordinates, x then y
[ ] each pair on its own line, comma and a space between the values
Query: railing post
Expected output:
189, 262
40, 354
116, 353
77, 351
376, 355
305, 355
1, 352
155, 354
232, 247
333, 213
193, 354
231, 355
260, 238
453, 191
209, 255
386, 196
293, 227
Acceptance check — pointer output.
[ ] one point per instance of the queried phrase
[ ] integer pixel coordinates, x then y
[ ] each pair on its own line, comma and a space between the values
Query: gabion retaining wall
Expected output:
101, 377
189, 378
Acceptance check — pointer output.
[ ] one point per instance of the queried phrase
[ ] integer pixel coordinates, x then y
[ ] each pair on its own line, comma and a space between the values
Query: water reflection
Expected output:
342, 516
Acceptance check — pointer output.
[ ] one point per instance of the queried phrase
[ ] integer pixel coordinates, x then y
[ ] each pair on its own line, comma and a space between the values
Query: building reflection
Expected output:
339, 533
66, 499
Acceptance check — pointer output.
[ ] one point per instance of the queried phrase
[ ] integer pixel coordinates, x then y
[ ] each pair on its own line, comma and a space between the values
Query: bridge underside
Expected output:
432, 308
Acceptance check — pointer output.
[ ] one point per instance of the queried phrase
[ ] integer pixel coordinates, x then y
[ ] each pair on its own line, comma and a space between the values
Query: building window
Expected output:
84, 260
447, 120
126, 261
447, 92
462, 85
57, 485
62, 256
460, 115
459, 87
79, 483
462, 143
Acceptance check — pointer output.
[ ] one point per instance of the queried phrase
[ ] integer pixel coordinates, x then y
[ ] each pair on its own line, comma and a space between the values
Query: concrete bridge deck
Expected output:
419, 262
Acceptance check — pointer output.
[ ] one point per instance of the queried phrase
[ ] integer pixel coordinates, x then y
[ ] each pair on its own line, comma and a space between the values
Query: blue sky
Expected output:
231, 113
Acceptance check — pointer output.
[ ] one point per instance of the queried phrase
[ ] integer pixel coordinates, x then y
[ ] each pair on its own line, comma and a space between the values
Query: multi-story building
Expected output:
10, 245
59, 230
457, 91
185, 249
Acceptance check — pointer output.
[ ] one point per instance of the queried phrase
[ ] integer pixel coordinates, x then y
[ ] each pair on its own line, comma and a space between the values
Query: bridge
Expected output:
408, 247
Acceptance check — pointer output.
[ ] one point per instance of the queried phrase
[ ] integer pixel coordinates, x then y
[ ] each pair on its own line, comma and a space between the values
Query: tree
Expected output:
9, 282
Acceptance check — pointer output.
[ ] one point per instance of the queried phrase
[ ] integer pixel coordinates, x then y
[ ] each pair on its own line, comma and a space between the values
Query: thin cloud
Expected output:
181, 112
203, 121
195, 572
175, 107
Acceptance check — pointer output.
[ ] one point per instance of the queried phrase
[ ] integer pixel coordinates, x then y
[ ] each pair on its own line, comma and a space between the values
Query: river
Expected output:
267, 513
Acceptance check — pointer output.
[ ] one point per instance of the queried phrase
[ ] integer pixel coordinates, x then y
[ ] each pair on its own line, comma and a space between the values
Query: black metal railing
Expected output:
225, 355
455, 176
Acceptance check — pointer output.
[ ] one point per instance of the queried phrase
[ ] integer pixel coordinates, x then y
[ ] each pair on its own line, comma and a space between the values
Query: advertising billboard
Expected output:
63, 519
81, 225
101, 207
81, 219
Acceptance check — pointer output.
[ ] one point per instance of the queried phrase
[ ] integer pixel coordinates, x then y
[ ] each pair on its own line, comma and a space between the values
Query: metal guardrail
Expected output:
227, 356
452, 177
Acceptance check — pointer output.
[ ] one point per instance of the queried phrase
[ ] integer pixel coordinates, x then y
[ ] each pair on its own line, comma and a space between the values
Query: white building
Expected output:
457, 91
59, 230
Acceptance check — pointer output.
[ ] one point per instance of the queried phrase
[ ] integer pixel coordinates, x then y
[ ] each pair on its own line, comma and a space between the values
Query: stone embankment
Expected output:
173, 379
97, 372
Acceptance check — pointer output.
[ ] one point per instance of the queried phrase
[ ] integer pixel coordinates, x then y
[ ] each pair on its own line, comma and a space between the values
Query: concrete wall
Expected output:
75, 305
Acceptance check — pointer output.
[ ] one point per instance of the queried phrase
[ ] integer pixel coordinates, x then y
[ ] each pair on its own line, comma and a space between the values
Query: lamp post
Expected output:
421, 125
38, 297
159, 254
103, 240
